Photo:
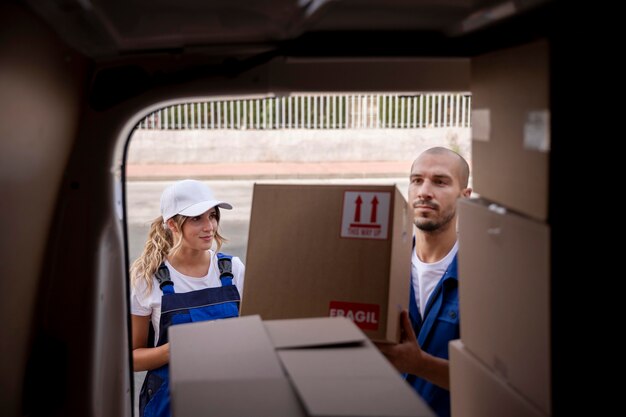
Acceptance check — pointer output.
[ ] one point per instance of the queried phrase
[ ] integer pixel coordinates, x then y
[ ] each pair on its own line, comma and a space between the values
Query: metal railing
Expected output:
318, 111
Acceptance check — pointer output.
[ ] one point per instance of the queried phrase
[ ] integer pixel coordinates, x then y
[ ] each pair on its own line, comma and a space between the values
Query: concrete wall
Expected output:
296, 145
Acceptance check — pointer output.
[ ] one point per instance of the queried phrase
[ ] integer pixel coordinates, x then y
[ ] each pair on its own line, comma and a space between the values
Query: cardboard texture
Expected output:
349, 381
329, 250
227, 360
504, 295
311, 332
236, 398
328, 367
510, 147
478, 392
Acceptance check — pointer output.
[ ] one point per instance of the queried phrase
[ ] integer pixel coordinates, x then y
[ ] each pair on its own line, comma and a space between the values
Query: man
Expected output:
439, 177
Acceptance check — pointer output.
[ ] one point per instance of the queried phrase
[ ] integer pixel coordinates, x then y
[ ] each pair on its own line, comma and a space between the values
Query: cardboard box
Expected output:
504, 290
330, 250
228, 368
477, 392
511, 127
302, 367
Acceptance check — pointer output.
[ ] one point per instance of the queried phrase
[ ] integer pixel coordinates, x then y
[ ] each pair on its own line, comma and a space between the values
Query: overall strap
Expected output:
163, 277
414, 312
225, 265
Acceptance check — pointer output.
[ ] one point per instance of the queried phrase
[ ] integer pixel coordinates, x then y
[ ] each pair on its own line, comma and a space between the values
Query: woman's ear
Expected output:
171, 224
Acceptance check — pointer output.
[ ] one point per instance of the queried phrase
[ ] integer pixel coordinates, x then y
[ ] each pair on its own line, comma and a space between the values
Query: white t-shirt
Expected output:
425, 277
142, 304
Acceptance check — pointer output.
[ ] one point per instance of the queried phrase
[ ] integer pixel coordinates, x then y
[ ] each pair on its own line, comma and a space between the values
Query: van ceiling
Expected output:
103, 28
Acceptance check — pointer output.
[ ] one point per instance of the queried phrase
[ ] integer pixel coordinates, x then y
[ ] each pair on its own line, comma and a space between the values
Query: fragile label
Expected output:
365, 316
365, 215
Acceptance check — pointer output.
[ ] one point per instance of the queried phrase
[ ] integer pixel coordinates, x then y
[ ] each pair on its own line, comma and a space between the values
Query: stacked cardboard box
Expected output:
504, 289
301, 367
478, 391
511, 128
504, 243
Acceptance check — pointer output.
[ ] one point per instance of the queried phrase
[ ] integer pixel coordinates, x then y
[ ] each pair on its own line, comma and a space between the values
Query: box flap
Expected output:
355, 361
350, 381
254, 397
229, 349
360, 397
311, 332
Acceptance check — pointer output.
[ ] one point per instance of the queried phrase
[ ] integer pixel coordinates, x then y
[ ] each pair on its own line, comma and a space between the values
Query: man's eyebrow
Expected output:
437, 176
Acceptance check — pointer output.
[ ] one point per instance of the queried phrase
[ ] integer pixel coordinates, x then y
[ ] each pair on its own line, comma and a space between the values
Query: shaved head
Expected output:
438, 179
463, 166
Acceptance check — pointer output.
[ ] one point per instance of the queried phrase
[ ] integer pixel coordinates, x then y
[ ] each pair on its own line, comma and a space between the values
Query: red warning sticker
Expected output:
366, 316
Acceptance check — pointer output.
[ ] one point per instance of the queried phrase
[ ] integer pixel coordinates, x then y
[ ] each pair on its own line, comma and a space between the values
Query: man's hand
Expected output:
408, 357
405, 356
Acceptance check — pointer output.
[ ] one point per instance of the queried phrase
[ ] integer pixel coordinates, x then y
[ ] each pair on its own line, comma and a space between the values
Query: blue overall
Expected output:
439, 325
201, 305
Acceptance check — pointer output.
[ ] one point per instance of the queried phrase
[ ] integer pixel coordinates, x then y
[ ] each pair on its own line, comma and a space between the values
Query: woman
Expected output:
179, 279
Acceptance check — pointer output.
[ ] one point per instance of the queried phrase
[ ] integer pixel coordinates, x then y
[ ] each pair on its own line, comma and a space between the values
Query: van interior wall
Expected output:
41, 88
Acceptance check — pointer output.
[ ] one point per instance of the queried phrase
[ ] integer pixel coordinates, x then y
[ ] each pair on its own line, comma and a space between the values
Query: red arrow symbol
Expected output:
374, 207
357, 212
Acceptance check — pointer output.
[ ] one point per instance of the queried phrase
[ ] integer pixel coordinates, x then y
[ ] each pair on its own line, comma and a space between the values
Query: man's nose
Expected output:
425, 191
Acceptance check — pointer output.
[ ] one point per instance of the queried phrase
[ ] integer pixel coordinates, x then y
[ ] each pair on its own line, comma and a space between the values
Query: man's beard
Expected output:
433, 225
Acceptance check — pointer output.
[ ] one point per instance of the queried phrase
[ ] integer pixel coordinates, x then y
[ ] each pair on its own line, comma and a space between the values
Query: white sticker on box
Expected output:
365, 215
481, 124
537, 131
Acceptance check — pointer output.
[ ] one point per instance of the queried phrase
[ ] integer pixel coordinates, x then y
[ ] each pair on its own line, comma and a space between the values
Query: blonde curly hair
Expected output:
158, 246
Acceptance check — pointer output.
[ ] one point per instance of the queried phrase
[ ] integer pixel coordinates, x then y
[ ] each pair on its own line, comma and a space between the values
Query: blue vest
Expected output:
207, 304
439, 325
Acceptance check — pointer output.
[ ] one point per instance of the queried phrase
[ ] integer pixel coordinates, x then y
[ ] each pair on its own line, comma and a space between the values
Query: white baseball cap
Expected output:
188, 198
